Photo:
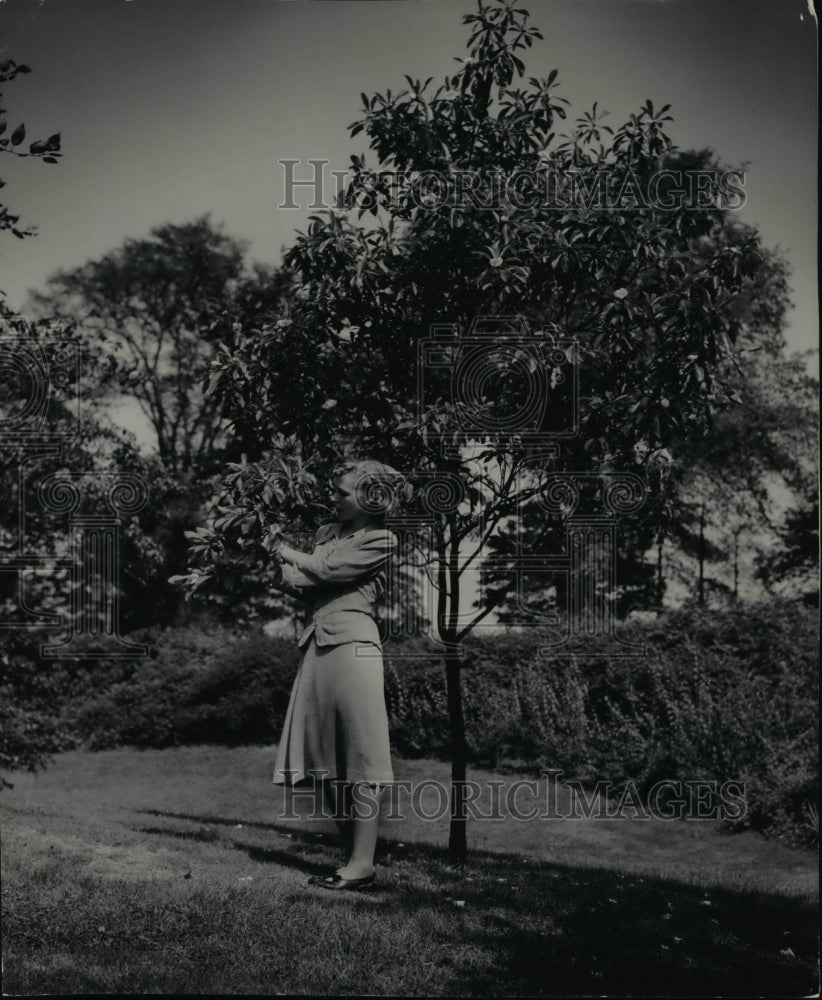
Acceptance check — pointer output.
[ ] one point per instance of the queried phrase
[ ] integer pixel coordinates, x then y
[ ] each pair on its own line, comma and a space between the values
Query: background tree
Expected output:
648, 293
150, 318
60, 438
793, 567
153, 313
40, 437
757, 460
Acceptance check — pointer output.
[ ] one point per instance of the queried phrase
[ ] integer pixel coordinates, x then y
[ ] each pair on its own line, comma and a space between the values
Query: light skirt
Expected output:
336, 726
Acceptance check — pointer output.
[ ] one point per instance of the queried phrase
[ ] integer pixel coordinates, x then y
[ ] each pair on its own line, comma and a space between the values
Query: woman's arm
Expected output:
291, 580
286, 582
354, 557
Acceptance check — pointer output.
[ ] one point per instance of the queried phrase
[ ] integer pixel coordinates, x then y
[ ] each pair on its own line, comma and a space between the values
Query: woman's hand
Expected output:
272, 541
283, 552
277, 582
276, 547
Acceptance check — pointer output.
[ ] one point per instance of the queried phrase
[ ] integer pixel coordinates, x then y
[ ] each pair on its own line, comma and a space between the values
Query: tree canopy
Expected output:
151, 316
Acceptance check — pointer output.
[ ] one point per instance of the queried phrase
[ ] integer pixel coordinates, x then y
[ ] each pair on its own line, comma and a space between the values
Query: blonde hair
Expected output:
379, 488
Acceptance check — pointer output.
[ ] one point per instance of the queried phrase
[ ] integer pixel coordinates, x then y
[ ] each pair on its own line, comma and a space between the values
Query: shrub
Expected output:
30, 697
415, 696
243, 694
197, 687
29, 736
719, 696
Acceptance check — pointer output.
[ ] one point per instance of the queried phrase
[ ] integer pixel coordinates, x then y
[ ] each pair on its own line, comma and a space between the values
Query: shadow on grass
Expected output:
263, 855
522, 926
387, 847
555, 930
201, 836
285, 859
594, 932
289, 830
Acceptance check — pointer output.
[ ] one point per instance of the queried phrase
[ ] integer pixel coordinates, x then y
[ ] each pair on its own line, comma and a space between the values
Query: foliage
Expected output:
148, 319
724, 696
47, 150
654, 295
65, 439
154, 313
31, 730
720, 697
795, 563
30, 736
57, 440
199, 686
732, 486
254, 503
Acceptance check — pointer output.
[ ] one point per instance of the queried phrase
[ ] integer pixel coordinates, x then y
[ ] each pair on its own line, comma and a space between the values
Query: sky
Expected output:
169, 109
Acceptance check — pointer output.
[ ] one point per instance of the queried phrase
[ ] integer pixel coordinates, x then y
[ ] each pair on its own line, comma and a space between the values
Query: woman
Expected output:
336, 726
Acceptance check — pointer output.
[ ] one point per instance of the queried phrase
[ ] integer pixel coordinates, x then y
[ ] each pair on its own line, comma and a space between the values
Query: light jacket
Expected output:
343, 578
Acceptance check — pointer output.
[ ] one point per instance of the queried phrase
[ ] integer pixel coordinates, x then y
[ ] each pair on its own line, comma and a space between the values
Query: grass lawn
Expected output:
172, 871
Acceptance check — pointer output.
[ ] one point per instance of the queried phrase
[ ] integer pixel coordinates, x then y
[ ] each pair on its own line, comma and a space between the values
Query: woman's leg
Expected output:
365, 822
337, 800
362, 751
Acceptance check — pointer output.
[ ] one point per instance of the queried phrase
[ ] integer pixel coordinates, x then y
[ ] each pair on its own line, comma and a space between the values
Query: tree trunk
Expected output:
457, 837
660, 581
701, 590
736, 565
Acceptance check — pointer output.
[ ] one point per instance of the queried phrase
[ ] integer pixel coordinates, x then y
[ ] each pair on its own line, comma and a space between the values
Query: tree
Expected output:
43, 436
648, 294
152, 315
795, 565
41, 433
149, 318
759, 456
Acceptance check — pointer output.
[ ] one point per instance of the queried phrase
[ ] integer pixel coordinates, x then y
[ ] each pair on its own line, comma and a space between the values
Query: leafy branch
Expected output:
47, 150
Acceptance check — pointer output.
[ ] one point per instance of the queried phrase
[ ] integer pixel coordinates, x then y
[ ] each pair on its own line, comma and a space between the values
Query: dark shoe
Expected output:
338, 882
